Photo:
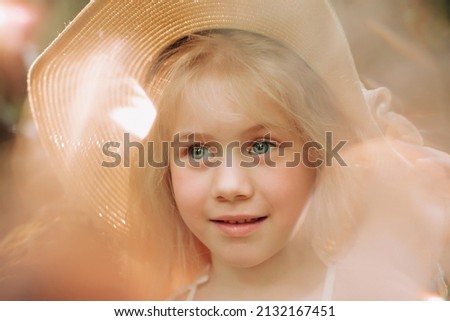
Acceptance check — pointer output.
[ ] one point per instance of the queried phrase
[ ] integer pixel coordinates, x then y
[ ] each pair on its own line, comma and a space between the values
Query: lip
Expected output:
238, 225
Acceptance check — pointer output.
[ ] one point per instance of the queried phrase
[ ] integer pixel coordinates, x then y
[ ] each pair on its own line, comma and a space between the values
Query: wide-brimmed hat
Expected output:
87, 88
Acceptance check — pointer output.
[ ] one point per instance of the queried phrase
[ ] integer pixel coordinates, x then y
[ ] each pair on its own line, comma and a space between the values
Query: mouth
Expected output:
240, 221
239, 226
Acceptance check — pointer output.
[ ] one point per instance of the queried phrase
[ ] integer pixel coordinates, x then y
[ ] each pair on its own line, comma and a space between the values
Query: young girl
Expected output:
244, 107
268, 175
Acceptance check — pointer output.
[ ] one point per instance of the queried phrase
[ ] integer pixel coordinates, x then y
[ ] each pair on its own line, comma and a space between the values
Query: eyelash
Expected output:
190, 149
272, 144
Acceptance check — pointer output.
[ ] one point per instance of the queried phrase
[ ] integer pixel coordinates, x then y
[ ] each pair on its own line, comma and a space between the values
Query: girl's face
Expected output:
233, 182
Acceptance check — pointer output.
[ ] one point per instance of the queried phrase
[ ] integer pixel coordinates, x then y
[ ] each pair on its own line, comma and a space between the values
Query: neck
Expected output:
293, 273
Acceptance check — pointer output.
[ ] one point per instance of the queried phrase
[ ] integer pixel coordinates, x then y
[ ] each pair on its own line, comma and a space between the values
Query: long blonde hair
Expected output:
250, 65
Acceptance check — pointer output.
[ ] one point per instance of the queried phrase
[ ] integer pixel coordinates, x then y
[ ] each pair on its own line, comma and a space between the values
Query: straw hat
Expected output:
86, 89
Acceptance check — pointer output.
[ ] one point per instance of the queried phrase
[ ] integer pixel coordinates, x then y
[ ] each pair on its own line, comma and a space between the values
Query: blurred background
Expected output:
401, 44
27, 27
405, 45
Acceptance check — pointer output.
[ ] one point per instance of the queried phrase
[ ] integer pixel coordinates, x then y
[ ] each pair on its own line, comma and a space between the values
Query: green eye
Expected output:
198, 152
261, 147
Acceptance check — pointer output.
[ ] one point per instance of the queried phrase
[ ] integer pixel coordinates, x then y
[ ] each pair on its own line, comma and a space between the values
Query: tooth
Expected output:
248, 220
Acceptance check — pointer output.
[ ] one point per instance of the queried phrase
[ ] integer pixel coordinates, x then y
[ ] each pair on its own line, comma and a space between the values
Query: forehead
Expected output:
216, 99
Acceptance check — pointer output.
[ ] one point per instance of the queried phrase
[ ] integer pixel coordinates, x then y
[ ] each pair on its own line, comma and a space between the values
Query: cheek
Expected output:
290, 188
303, 180
189, 190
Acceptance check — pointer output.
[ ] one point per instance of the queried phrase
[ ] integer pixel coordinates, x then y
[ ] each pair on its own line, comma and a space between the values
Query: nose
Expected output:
232, 182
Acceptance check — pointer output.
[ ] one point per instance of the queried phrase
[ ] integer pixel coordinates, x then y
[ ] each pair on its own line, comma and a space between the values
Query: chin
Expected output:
243, 260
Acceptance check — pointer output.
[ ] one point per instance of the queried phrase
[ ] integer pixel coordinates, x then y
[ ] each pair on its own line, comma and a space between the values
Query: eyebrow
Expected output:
207, 136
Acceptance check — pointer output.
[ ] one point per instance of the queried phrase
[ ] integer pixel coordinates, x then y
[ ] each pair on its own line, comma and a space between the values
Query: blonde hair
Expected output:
172, 253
